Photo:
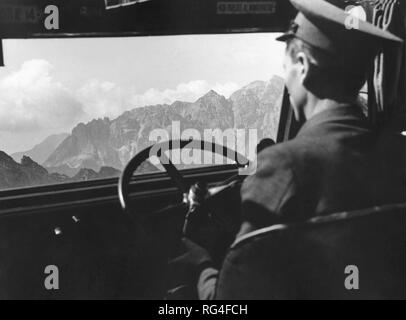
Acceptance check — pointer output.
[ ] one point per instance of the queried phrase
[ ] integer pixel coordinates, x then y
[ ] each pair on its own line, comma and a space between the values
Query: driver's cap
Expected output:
329, 28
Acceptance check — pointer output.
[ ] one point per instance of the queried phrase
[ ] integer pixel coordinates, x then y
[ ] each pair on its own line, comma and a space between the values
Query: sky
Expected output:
49, 86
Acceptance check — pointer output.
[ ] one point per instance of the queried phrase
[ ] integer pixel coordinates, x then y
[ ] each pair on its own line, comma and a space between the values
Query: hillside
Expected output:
29, 173
41, 152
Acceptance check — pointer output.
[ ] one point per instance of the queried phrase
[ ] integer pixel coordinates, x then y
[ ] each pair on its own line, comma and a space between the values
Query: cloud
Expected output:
188, 92
106, 99
102, 98
32, 100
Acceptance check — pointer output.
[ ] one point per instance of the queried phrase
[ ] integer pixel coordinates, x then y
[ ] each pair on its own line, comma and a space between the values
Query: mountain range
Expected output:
112, 143
26, 173
102, 147
29, 173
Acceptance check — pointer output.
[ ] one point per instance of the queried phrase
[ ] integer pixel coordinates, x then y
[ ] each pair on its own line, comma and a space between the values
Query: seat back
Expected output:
310, 260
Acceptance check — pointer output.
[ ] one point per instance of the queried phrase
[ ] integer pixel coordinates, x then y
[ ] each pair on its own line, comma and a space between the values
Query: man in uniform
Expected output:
338, 161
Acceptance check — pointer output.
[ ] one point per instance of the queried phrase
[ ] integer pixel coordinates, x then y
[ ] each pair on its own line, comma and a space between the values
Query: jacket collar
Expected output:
336, 113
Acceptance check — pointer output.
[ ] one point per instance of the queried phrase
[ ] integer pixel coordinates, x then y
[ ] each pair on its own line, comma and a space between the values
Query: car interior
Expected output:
112, 238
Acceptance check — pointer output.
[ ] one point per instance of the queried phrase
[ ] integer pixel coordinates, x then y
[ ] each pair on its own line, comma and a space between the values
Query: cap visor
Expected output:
285, 37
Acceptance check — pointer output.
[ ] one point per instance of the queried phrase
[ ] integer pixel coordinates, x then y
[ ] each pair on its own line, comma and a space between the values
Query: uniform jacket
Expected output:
336, 163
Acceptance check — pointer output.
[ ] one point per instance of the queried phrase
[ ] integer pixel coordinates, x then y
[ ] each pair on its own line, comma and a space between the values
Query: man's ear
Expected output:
304, 66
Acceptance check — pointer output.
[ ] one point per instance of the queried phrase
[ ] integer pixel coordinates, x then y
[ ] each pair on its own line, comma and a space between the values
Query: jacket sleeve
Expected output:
270, 195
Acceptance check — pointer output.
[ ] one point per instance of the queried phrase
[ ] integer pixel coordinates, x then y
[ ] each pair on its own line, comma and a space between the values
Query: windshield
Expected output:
79, 109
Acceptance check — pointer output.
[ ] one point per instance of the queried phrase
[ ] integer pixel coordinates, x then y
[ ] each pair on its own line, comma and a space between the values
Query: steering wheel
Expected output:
159, 150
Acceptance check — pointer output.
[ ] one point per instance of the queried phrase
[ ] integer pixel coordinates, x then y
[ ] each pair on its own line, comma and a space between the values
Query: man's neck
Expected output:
315, 105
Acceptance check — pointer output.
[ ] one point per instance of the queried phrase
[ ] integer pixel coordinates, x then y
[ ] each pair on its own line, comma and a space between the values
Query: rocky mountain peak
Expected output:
85, 175
211, 95
6, 161
108, 172
28, 162
4, 157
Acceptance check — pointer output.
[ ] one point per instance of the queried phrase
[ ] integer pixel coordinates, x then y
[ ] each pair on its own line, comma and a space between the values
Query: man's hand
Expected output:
194, 273
196, 258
